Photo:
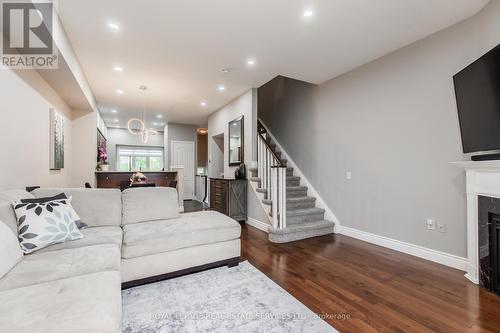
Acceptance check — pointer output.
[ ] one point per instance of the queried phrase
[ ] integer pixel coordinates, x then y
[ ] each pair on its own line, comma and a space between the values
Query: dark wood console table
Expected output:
229, 197
113, 179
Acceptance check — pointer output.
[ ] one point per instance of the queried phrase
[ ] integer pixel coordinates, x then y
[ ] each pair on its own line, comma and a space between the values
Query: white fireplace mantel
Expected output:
482, 178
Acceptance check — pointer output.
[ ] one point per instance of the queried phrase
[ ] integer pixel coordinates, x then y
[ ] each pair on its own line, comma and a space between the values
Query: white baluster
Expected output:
269, 159
259, 158
263, 152
264, 166
274, 197
282, 191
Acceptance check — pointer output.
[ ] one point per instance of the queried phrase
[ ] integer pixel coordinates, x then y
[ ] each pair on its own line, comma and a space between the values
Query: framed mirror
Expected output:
236, 146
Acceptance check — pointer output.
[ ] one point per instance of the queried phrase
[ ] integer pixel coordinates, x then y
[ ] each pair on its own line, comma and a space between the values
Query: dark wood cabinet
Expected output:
229, 197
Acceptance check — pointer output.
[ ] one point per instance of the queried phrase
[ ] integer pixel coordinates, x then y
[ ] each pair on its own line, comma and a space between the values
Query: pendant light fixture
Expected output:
144, 132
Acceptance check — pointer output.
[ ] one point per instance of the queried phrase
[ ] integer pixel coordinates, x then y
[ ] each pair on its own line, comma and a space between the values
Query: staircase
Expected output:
292, 212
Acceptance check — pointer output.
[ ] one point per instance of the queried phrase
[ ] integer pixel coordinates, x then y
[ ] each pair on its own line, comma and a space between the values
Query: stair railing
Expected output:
272, 173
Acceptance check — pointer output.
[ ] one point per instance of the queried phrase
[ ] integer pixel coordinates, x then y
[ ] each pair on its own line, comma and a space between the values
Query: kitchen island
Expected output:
114, 179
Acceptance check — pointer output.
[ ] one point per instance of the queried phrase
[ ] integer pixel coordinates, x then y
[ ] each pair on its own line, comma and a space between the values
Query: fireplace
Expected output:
483, 210
489, 243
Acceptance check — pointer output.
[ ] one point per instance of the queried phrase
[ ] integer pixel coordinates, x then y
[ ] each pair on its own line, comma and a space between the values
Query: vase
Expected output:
240, 172
105, 167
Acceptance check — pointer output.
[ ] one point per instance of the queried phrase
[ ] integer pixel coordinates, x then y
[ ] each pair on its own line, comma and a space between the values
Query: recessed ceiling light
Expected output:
251, 62
114, 111
159, 116
308, 13
119, 91
226, 70
221, 88
114, 26
116, 120
155, 124
118, 68
203, 103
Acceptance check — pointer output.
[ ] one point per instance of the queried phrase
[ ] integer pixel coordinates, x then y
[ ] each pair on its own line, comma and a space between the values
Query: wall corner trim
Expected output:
258, 224
439, 257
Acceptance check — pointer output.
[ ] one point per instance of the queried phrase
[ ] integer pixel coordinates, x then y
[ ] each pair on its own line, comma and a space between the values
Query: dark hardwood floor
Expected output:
371, 288
193, 206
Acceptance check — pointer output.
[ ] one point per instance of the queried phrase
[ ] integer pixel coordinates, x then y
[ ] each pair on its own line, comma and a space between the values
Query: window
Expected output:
139, 158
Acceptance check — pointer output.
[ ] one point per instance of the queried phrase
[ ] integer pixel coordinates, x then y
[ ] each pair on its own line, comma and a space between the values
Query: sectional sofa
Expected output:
133, 237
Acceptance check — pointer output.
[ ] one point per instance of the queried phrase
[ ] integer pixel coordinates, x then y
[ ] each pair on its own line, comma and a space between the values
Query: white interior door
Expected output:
182, 153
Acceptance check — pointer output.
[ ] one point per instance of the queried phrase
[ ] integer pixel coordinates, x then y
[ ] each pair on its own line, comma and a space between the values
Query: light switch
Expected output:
431, 224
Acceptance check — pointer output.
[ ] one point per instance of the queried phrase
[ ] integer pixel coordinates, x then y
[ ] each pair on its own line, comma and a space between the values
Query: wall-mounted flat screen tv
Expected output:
477, 89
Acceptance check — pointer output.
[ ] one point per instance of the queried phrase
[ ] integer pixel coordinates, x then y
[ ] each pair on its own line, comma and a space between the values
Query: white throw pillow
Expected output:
10, 252
44, 224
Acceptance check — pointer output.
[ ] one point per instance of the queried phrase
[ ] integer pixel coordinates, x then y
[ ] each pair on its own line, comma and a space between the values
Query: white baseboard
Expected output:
258, 224
471, 278
411, 249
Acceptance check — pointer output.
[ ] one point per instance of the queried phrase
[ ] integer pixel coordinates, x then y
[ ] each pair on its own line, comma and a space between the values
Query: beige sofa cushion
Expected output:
7, 214
143, 204
10, 252
96, 207
50, 266
88, 303
172, 261
91, 236
188, 230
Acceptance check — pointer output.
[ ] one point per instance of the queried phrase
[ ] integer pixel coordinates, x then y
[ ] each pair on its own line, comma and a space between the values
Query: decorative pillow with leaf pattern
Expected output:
44, 224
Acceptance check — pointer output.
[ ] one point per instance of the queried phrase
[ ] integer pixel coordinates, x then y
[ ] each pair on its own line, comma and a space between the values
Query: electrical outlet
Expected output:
348, 175
431, 224
441, 227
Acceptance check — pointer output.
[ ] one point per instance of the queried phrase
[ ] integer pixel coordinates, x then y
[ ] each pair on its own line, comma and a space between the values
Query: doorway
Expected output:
183, 154
217, 156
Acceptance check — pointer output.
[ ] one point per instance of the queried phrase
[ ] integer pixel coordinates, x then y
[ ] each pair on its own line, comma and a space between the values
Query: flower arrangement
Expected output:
102, 156
138, 177
102, 151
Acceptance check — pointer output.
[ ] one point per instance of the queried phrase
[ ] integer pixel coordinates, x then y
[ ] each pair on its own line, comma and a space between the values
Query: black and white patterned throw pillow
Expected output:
44, 224
60, 196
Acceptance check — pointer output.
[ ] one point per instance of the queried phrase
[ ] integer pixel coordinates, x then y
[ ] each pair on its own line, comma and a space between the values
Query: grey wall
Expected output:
393, 124
25, 102
122, 137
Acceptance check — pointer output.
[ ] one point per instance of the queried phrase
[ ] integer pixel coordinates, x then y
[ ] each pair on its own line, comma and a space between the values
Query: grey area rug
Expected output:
238, 299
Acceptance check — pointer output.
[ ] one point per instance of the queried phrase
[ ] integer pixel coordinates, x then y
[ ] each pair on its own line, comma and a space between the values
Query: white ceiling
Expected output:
179, 48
